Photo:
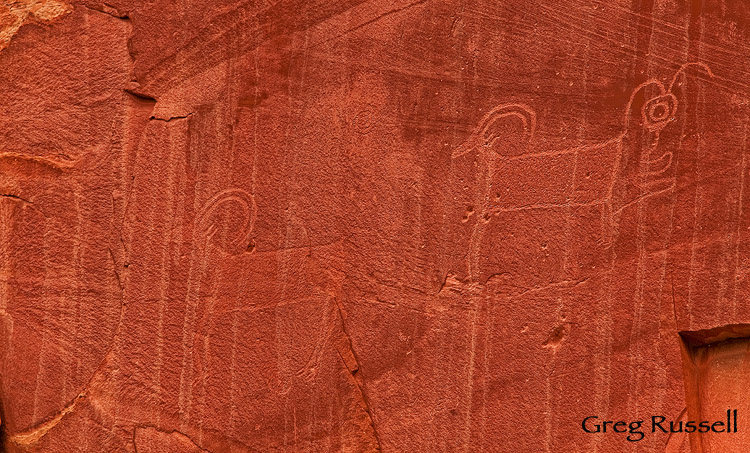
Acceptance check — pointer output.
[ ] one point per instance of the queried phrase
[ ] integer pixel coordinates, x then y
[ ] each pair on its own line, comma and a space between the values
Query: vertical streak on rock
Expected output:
7, 207
173, 156
743, 171
6, 323
693, 124
199, 260
644, 33
482, 200
694, 31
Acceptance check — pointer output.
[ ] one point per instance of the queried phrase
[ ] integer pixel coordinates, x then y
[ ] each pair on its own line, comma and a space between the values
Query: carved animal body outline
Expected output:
483, 136
647, 173
203, 232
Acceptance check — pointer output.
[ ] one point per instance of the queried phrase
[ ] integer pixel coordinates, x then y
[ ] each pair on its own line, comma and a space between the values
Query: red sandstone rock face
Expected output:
363, 225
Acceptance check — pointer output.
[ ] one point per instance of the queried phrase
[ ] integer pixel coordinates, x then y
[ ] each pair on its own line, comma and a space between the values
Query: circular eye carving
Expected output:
658, 111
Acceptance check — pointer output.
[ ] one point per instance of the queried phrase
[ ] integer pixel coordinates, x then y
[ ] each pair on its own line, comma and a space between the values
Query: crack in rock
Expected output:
32, 436
354, 367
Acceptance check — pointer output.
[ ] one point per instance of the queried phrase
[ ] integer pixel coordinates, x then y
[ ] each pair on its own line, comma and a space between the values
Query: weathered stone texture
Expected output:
356, 225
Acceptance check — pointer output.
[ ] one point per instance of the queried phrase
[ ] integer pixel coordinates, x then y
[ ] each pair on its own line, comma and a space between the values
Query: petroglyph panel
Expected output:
371, 226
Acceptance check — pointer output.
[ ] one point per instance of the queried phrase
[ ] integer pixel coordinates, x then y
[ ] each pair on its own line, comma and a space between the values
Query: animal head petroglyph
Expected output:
658, 110
490, 126
647, 153
234, 211
639, 161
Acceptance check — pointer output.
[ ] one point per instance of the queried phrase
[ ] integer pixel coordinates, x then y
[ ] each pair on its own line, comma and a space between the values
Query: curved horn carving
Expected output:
233, 199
